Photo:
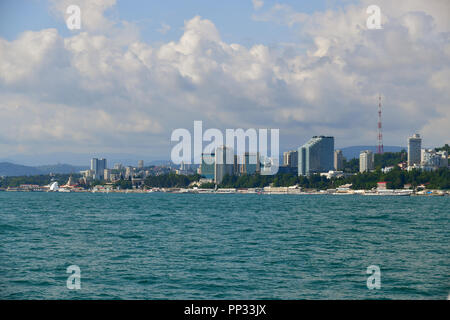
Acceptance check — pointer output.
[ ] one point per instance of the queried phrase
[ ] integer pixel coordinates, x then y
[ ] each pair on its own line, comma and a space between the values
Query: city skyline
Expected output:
97, 90
317, 156
83, 159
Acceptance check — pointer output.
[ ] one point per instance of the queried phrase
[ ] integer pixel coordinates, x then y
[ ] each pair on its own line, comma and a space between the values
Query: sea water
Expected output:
229, 246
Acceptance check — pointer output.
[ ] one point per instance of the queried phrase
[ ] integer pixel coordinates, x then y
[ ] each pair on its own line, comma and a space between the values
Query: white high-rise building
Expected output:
366, 161
129, 172
414, 150
286, 158
107, 174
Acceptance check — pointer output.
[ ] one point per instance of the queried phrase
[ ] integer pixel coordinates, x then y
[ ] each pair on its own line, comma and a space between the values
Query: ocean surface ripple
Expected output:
229, 246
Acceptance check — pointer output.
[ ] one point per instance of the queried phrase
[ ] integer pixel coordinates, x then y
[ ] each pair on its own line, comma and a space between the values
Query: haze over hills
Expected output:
61, 168
79, 159
11, 169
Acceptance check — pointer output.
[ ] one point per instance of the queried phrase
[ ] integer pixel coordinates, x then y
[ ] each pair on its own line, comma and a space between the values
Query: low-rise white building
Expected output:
387, 169
332, 174
430, 157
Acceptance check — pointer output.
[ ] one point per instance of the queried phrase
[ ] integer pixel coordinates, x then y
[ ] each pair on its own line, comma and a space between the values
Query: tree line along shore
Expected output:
395, 179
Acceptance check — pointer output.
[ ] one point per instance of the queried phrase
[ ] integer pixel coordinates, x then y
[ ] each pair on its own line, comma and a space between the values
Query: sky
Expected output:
137, 70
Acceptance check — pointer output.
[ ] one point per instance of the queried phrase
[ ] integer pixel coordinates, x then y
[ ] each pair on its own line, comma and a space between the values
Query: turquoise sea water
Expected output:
231, 246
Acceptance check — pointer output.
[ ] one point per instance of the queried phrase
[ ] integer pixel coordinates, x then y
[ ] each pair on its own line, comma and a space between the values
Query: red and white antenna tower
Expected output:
380, 134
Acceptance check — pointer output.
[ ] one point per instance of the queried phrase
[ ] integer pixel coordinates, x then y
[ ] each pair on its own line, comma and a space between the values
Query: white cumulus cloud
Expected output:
102, 90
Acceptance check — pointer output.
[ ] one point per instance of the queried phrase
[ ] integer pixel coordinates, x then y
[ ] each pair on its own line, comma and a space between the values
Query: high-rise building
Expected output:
140, 164
94, 163
286, 158
236, 165
366, 161
101, 167
338, 160
224, 163
414, 148
129, 172
290, 159
250, 163
107, 174
316, 156
98, 167
208, 165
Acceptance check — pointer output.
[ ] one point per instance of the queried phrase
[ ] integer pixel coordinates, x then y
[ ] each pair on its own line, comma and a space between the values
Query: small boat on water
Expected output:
391, 192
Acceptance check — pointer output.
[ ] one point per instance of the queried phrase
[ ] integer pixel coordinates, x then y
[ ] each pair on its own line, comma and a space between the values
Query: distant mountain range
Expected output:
80, 159
11, 169
61, 168
354, 151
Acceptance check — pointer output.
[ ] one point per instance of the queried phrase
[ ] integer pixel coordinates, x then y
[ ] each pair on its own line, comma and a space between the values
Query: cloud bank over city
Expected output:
104, 89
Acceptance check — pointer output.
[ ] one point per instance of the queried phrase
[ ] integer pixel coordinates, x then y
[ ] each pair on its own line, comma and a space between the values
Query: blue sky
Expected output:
233, 18
137, 70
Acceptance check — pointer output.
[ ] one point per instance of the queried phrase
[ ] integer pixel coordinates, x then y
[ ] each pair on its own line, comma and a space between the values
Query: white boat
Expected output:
392, 192
53, 187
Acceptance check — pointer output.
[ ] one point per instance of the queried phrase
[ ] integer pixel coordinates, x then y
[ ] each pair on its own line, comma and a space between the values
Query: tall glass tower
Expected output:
208, 165
315, 156
98, 166
224, 164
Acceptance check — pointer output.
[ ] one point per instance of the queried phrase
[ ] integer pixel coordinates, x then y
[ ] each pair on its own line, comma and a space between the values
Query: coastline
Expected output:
259, 191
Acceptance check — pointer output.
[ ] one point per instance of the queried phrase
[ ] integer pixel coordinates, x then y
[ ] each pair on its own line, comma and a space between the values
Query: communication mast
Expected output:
380, 134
